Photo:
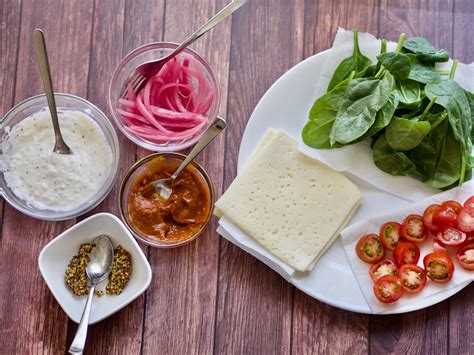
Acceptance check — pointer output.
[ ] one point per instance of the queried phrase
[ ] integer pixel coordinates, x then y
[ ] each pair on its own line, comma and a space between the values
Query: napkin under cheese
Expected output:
292, 205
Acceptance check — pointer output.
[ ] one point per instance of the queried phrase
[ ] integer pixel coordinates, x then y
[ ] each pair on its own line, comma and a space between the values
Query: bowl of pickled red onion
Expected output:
174, 108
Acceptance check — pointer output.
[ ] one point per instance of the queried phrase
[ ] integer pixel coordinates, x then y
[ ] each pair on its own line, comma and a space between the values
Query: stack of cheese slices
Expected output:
292, 205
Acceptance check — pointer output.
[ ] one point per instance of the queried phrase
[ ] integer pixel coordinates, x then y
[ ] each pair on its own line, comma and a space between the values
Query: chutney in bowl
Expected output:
166, 223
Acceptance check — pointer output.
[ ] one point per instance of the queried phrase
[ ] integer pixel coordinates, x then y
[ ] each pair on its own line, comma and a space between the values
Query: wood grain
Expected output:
254, 303
188, 275
29, 309
106, 49
9, 36
461, 315
423, 331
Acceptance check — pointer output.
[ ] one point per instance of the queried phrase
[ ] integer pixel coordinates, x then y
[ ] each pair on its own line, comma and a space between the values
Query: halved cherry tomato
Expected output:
390, 235
465, 256
451, 236
445, 217
465, 220
388, 289
413, 229
406, 253
469, 202
439, 266
413, 278
456, 206
382, 268
369, 248
428, 217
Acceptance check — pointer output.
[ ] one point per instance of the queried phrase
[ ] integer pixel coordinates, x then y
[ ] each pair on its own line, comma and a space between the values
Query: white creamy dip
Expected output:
51, 181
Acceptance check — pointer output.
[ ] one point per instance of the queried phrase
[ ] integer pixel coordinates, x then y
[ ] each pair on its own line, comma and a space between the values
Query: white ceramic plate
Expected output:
55, 256
285, 106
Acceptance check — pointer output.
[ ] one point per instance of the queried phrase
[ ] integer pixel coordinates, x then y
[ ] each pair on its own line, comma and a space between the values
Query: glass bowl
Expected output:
139, 56
63, 102
127, 183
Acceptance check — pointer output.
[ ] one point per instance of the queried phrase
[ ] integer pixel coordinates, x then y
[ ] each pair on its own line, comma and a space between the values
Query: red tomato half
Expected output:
428, 217
388, 289
465, 256
406, 253
382, 268
390, 235
445, 217
469, 202
465, 220
439, 266
451, 236
456, 206
369, 248
413, 278
413, 229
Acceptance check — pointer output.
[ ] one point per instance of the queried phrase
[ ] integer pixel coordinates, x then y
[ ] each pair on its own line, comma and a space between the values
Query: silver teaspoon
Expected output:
163, 187
97, 270
42, 55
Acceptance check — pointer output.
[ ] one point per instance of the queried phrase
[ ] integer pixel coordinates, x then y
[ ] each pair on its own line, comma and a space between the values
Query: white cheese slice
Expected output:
293, 205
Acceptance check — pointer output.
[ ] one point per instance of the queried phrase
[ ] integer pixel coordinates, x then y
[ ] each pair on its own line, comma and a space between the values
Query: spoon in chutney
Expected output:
60, 146
163, 187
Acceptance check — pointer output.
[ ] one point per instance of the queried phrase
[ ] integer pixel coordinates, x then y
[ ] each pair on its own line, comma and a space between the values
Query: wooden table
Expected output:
209, 296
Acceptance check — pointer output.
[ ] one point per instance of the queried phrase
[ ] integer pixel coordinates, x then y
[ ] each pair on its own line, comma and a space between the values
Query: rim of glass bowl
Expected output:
140, 141
125, 180
49, 215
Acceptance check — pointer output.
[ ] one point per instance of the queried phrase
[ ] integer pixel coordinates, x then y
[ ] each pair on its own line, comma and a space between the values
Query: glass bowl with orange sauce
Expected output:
166, 223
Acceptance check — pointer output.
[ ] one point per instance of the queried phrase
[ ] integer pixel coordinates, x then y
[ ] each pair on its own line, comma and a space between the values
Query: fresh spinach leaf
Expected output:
470, 98
362, 99
453, 98
422, 72
425, 51
357, 63
402, 134
383, 116
448, 165
425, 155
398, 64
317, 130
392, 162
409, 93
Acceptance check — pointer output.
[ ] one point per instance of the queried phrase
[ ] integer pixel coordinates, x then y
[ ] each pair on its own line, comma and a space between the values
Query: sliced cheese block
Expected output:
293, 205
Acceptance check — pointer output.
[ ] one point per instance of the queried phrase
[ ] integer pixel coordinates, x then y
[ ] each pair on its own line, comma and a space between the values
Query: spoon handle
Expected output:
216, 127
42, 55
221, 15
79, 342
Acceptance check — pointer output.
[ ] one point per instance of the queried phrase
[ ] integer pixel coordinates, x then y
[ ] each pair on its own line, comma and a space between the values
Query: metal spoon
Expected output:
98, 268
138, 78
163, 187
38, 38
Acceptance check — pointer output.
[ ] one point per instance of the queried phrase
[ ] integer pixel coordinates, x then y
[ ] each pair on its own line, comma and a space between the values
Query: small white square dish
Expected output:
55, 256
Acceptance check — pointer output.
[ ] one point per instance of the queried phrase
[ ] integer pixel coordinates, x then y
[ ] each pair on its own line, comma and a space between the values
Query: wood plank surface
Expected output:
34, 322
106, 51
254, 304
425, 331
208, 297
188, 275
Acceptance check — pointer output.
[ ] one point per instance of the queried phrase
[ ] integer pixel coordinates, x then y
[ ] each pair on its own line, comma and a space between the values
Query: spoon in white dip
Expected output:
97, 270
38, 38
